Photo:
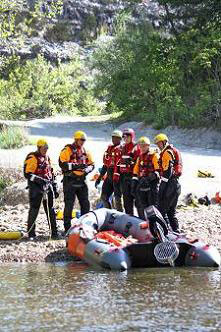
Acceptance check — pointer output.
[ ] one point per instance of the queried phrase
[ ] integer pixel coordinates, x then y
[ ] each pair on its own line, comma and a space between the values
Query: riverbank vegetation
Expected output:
169, 75
37, 88
13, 137
163, 68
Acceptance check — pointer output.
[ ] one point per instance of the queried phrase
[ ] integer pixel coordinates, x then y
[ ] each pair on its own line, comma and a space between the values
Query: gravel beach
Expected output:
197, 222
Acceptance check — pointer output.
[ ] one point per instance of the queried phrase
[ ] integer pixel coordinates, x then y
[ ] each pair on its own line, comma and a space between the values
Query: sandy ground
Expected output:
199, 149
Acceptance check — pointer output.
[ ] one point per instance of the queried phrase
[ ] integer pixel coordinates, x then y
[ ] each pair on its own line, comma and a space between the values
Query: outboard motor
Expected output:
158, 225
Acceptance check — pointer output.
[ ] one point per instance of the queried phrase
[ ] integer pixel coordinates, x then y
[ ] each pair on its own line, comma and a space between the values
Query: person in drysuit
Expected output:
110, 157
76, 163
146, 176
171, 167
123, 170
42, 187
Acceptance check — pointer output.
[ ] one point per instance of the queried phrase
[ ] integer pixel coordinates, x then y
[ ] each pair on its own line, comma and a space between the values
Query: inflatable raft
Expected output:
115, 240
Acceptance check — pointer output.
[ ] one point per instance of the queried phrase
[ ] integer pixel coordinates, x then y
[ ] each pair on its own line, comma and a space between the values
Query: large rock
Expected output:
15, 194
59, 37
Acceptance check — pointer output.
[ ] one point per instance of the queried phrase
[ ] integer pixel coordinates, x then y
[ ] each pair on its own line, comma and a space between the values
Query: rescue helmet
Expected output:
42, 142
130, 132
160, 138
80, 135
143, 140
117, 133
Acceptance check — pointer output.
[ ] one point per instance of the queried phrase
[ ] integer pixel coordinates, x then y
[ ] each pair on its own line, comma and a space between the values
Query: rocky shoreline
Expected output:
199, 222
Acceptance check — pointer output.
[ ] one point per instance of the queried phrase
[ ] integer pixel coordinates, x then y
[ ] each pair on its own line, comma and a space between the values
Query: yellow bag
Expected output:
204, 174
10, 235
60, 215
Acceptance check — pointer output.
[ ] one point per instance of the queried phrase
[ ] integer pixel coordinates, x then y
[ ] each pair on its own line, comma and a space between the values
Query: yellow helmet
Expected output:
117, 133
160, 138
80, 135
143, 140
41, 142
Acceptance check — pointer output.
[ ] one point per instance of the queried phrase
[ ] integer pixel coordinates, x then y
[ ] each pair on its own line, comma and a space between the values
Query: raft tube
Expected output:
83, 241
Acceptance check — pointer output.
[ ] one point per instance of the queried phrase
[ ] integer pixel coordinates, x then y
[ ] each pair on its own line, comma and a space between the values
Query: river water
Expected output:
73, 297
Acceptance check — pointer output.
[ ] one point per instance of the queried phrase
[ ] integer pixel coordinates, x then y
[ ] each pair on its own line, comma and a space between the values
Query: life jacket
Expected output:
146, 165
129, 155
43, 169
111, 155
177, 162
78, 156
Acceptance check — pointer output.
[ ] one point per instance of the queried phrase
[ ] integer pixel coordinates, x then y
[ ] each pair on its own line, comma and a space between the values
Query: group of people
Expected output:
76, 163
143, 176
132, 172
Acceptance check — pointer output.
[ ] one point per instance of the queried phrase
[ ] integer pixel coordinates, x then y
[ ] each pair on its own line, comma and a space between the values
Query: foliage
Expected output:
59, 31
161, 79
190, 14
38, 89
4, 183
9, 10
178, 15
13, 137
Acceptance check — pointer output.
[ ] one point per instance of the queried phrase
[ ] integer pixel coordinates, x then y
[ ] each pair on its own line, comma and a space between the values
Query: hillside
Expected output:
156, 61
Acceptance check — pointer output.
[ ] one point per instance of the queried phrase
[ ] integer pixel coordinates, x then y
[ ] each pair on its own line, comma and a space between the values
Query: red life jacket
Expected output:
129, 155
146, 165
111, 155
44, 168
79, 155
177, 162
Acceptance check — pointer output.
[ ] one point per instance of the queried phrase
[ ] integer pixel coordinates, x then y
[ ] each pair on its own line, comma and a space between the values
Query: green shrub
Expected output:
58, 32
13, 137
159, 79
40, 89
4, 183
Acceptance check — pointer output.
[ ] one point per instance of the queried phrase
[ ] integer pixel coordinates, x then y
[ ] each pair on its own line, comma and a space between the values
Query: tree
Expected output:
9, 9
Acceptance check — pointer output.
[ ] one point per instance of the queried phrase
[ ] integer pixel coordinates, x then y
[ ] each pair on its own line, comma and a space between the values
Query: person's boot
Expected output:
32, 216
118, 204
67, 224
140, 212
174, 225
53, 224
105, 201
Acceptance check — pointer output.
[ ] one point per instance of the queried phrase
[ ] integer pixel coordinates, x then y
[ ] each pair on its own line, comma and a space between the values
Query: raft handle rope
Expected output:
46, 205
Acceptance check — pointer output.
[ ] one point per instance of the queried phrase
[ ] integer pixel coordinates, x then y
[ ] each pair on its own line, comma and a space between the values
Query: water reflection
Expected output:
73, 297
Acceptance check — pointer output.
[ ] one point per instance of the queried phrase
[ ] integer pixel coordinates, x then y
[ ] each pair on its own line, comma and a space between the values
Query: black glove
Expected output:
153, 177
78, 167
133, 189
128, 161
162, 189
144, 182
97, 182
37, 179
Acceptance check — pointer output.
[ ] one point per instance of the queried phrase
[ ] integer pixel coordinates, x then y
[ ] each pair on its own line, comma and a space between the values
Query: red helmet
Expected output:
129, 131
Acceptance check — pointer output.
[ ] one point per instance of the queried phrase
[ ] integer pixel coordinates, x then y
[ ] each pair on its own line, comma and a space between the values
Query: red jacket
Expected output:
127, 159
